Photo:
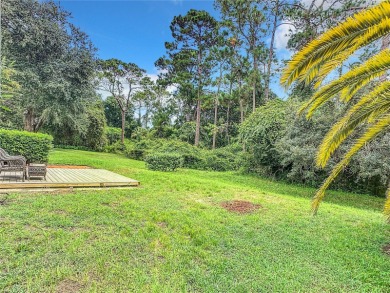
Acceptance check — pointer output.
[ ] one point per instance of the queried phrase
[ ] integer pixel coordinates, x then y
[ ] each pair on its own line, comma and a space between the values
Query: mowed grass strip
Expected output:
172, 235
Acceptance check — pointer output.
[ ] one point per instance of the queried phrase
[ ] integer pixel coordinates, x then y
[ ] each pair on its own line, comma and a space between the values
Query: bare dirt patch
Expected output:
67, 167
386, 249
110, 204
162, 224
68, 286
61, 212
240, 206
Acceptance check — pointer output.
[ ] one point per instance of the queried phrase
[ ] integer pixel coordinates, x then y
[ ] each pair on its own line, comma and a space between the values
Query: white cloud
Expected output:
281, 36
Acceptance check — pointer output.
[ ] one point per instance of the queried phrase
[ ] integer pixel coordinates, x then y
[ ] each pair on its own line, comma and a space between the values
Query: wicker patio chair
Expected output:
12, 163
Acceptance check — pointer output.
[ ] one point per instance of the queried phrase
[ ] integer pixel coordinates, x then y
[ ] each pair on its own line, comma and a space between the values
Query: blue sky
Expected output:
134, 31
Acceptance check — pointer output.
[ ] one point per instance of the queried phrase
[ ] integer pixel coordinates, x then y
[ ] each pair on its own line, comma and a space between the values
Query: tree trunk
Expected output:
227, 122
228, 111
146, 117
254, 83
123, 126
215, 122
271, 52
197, 130
139, 115
241, 103
29, 120
216, 107
241, 111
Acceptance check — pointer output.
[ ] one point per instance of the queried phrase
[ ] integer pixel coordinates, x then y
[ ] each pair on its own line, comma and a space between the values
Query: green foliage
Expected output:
260, 132
297, 148
121, 80
113, 134
137, 151
55, 62
140, 133
223, 159
193, 157
163, 161
8, 84
34, 147
118, 147
89, 132
95, 137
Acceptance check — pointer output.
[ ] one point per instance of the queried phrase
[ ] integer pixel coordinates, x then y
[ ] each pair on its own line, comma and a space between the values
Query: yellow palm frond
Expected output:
370, 133
337, 44
351, 82
386, 209
367, 109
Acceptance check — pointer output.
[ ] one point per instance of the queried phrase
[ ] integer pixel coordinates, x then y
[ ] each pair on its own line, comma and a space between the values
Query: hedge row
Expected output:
34, 147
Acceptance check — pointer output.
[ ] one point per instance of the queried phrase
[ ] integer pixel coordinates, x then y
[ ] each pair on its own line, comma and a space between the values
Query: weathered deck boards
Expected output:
62, 178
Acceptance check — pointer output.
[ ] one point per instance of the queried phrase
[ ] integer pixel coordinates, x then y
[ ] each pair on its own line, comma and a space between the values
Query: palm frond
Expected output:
356, 32
369, 107
386, 210
348, 84
370, 133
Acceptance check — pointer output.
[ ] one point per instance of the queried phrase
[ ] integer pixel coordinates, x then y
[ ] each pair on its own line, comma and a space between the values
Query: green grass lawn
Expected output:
171, 235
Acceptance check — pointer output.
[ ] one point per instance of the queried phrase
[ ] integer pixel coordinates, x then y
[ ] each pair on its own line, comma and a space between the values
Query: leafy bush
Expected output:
163, 161
140, 133
140, 149
222, 160
85, 132
34, 147
261, 131
113, 134
193, 157
118, 147
95, 137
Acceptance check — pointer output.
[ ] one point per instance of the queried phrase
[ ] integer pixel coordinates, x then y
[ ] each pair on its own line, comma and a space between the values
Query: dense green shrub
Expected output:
87, 132
119, 147
113, 134
140, 149
95, 137
260, 132
193, 157
216, 164
163, 161
34, 147
140, 133
222, 160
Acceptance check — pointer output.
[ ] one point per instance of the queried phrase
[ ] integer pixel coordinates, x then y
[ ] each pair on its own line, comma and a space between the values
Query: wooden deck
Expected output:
66, 178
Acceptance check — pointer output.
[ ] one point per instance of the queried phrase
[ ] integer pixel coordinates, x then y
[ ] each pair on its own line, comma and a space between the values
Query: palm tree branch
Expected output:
367, 109
386, 209
356, 32
370, 133
350, 82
